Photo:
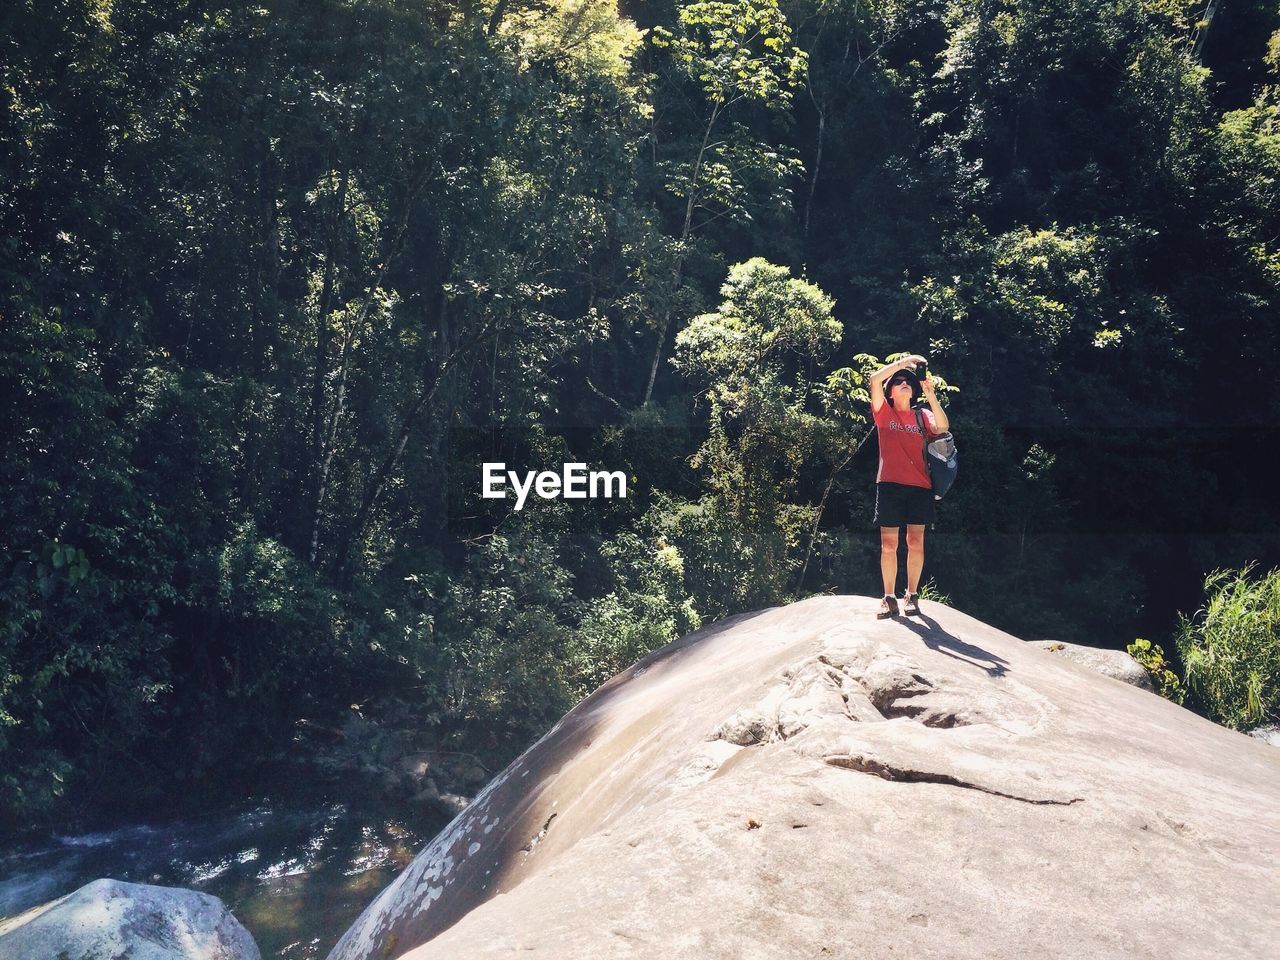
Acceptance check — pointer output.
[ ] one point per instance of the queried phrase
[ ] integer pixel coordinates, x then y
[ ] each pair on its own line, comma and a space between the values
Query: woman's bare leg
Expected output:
915, 555
889, 558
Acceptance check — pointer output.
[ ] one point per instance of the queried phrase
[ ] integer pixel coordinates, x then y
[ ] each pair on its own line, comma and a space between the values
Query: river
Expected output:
295, 875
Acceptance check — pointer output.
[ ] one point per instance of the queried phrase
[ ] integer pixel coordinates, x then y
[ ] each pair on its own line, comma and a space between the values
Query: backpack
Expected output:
939, 458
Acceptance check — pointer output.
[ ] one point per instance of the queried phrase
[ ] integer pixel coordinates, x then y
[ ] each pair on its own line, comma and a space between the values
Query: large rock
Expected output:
808, 781
113, 920
1268, 734
1110, 663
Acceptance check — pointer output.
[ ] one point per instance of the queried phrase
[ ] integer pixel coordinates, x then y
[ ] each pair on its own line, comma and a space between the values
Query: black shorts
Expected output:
901, 503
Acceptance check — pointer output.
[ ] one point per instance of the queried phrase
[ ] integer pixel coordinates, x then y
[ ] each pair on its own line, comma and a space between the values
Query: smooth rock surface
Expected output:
1110, 663
808, 781
114, 920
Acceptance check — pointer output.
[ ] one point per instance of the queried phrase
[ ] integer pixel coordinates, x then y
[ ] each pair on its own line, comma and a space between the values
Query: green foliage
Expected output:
753, 354
747, 352
1231, 647
732, 52
647, 609
1166, 681
765, 313
736, 50
929, 591
586, 38
280, 623
1248, 155
490, 644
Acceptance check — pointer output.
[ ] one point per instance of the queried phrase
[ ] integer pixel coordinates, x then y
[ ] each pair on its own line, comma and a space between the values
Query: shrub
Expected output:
1231, 648
647, 609
1162, 674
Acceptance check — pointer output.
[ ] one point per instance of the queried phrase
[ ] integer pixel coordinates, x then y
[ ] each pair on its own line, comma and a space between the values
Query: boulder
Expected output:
113, 920
809, 781
1268, 734
1110, 663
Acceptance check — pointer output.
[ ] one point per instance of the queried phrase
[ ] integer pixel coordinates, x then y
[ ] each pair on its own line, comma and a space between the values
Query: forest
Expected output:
277, 279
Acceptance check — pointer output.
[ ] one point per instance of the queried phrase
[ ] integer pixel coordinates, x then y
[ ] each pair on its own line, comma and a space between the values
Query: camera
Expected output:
920, 370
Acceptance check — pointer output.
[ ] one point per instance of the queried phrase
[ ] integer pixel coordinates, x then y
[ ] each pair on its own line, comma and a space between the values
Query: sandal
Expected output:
912, 607
888, 607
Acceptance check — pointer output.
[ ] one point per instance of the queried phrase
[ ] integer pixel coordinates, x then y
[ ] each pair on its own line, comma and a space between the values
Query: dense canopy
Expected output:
276, 280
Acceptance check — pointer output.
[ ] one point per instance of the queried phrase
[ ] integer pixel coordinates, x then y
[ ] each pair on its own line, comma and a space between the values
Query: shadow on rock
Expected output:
936, 638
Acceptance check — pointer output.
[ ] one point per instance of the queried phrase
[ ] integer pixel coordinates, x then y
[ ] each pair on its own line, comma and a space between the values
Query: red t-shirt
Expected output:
901, 449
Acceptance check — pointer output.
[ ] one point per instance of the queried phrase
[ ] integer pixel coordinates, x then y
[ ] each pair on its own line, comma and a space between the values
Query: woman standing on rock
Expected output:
904, 492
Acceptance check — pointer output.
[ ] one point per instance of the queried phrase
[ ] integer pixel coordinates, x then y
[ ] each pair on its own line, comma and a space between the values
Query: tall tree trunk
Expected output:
684, 236
817, 165
322, 365
264, 317
495, 19
657, 354
330, 430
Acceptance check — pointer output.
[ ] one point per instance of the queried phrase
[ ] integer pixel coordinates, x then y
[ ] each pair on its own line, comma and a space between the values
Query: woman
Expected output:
904, 492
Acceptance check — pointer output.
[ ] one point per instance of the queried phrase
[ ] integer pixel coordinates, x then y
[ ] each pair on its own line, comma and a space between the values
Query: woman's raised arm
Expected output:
875, 382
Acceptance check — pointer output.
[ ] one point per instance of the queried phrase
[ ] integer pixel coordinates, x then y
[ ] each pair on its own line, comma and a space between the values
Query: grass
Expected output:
1231, 647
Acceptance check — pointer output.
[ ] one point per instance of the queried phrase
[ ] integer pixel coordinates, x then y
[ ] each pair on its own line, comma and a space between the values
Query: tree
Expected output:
754, 355
734, 51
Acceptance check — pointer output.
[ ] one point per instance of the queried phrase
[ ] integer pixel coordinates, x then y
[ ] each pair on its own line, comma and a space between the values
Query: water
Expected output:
296, 876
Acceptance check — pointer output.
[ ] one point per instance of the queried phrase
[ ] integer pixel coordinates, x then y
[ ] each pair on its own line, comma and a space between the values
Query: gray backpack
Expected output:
939, 457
